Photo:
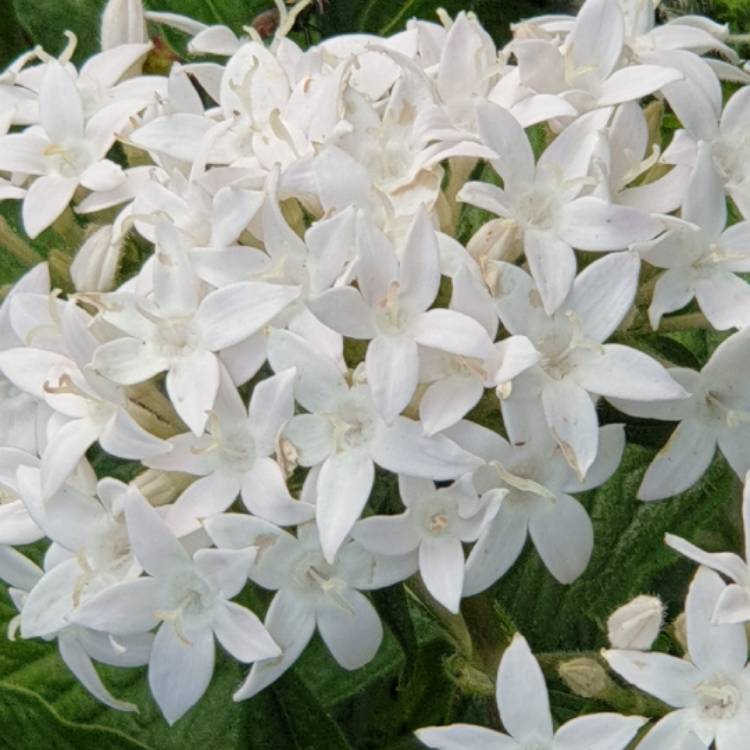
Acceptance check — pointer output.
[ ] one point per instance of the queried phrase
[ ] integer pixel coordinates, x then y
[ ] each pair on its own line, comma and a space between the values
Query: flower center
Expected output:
390, 317
718, 698
538, 208
353, 425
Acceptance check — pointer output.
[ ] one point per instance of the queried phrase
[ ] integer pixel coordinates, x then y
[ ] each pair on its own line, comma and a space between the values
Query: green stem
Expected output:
17, 247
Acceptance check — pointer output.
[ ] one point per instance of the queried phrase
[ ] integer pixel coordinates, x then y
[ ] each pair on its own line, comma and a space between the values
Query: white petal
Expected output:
563, 536
353, 635
403, 449
420, 264
79, 663
597, 37
552, 264
673, 290
271, 406
17, 570
463, 736
590, 223
571, 416
205, 497
634, 82
377, 266
705, 203
312, 437
441, 565
154, 545
733, 606
392, 373
603, 293
179, 136
522, 694
51, 601
242, 633
291, 623
712, 648
672, 731
670, 679
623, 372
265, 493
343, 486
319, 382
228, 315
344, 310
605, 731
192, 382
102, 175
453, 332
180, 669
447, 401
45, 200
124, 437
501, 132
128, 361
387, 535
496, 550
60, 110
724, 299
63, 453
681, 461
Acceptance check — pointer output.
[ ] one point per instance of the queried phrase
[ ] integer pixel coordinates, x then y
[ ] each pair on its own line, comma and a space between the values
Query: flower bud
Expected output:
123, 22
636, 624
585, 677
95, 265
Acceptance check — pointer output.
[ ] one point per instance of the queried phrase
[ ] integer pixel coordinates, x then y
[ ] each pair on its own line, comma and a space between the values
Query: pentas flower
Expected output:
545, 201
435, 524
178, 332
311, 592
709, 690
717, 414
345, 436
91, 550
234, 456
78, 646
531, 480
65, 151
702, 258
189, 598
84, 407
587, 70
391, 309
575, 367
733, 605
727, 135
523, 705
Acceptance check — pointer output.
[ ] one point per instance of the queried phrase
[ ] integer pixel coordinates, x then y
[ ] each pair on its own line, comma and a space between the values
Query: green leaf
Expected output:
12, 39
27, 721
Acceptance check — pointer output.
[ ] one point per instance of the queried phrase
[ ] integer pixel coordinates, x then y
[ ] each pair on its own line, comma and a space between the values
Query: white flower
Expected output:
123, 22
390, 309
702, 257
436, 522
523, 703
531, 479
344, 434
545, 202
65, 151
575, 367
234, 456
191, 600
716, 414
709, 690
311, 592
178, 332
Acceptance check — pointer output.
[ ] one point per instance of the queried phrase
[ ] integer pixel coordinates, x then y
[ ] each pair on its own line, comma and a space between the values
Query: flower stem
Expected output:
17, 247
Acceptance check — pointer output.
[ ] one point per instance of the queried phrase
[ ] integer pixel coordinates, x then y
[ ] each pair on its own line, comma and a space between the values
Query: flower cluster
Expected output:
308, 323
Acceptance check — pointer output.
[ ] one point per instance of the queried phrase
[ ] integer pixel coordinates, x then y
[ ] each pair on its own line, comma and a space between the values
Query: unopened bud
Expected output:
585, 677
95, 264
636, 624
123, 22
